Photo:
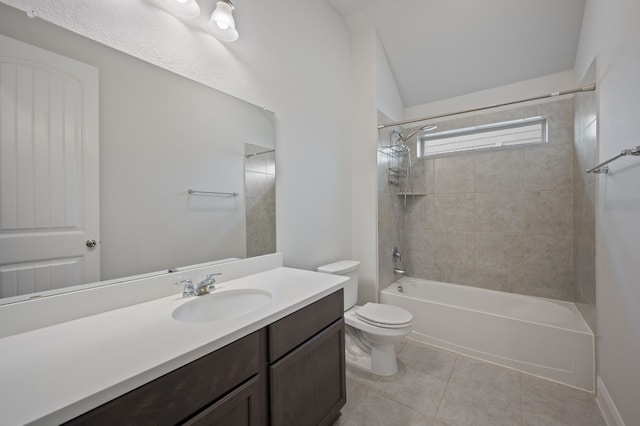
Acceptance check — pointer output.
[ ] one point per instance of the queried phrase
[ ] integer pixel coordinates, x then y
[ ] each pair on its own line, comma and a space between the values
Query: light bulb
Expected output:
221, 24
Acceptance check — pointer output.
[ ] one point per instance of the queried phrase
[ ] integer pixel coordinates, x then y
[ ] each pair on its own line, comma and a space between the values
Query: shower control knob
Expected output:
91, 243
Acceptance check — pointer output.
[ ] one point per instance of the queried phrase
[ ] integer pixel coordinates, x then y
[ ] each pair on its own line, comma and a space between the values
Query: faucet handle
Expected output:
209, 279
188, 289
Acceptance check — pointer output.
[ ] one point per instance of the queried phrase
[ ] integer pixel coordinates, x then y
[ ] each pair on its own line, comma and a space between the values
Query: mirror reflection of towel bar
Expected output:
220, 194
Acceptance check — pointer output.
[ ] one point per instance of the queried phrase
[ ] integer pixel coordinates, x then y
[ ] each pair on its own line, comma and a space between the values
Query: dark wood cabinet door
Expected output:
308, 385
242, 407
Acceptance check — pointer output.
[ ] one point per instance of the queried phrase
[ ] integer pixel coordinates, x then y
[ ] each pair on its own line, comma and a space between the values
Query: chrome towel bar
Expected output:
603, 168
220, 194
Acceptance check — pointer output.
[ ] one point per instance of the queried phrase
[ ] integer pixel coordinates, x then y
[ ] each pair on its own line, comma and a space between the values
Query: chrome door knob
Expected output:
91, 243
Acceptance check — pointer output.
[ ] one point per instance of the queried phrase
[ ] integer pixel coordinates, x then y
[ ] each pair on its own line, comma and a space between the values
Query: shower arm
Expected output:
423, 128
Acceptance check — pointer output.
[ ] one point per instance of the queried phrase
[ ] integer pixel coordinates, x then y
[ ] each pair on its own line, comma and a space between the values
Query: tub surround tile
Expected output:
500, 171
548, 266
500, 211
560, 121
451, 273
506, 279
454, 175
584, 186
421, 216
429, 170
549, 212
523, 191
454, 212
586, 152
419, 255
499, 251
454, 257
548, 167
390, 215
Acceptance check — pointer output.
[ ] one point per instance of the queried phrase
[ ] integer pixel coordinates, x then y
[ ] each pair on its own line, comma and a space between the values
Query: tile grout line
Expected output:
445, 388
521, 399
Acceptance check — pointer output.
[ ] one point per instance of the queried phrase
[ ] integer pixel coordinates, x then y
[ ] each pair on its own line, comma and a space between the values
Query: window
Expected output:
495, 135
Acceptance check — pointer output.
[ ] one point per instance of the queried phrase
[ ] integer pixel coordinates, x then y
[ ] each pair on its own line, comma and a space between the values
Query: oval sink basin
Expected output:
222, 305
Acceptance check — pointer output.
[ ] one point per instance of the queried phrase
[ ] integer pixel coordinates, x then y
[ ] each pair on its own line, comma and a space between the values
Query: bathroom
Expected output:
326, 109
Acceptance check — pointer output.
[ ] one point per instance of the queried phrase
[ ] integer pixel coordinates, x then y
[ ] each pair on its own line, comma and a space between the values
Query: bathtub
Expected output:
543, 337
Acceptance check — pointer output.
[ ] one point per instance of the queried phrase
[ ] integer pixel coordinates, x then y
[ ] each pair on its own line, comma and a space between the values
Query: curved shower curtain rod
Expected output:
588, 88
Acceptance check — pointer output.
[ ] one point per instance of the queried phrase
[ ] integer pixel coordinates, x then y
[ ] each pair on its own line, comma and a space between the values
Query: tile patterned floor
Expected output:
434, 387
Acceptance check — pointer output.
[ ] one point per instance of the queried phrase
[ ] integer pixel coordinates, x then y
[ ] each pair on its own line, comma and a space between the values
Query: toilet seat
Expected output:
385, 316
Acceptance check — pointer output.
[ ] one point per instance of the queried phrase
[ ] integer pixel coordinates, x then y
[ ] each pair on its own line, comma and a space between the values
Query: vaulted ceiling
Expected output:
439, 49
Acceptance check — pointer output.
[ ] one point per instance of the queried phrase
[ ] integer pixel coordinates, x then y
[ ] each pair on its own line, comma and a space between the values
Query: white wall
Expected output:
388, 98
293, 57
611, 33
363, 141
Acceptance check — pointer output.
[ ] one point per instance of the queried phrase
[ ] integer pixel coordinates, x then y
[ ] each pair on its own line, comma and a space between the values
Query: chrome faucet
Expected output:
203, 287
398, 271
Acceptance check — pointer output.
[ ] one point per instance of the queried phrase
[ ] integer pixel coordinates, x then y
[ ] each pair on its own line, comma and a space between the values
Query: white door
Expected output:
49, 183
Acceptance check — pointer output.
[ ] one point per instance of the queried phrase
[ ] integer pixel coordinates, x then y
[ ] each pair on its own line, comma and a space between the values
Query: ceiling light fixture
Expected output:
221, 24
183, 8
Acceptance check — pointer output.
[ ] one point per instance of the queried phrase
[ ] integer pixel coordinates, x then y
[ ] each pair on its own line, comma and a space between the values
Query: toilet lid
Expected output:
384, 315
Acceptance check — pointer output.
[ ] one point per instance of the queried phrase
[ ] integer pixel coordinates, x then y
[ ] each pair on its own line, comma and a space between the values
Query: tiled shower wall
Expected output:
584, 193
260, 199
502, 219
390, 213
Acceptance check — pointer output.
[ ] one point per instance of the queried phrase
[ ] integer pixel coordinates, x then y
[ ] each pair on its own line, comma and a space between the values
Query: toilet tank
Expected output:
347, 268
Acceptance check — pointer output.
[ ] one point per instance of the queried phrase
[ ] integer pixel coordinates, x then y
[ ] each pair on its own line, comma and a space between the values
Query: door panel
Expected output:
49, 181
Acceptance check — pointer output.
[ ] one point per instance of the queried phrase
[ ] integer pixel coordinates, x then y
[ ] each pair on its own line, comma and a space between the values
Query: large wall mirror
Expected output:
157, 135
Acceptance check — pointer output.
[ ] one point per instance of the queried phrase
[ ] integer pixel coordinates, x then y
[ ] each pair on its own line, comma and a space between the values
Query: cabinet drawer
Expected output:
175, 396
292, 330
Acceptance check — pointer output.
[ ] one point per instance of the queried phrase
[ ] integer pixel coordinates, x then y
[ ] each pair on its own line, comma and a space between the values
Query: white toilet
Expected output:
372, 329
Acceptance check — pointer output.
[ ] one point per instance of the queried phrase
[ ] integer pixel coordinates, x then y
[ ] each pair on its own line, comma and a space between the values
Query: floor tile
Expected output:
378, 410
548, 403
413, 388
461, 391
428, 359
464, 406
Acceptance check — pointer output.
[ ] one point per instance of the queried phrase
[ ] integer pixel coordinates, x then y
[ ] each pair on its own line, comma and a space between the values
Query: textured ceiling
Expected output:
439, 49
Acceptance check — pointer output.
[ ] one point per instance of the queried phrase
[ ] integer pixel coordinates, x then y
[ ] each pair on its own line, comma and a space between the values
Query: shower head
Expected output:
421, 129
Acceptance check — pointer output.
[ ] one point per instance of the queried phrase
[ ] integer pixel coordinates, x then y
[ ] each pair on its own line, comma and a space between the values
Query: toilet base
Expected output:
379, 359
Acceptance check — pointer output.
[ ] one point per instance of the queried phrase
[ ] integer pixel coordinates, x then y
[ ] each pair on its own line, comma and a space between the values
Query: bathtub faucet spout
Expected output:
398, 271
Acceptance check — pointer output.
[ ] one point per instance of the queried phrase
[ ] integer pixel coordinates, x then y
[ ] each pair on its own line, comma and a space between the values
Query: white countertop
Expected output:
52, 374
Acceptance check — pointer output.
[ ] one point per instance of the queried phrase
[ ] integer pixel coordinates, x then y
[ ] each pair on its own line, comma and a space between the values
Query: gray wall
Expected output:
503, 219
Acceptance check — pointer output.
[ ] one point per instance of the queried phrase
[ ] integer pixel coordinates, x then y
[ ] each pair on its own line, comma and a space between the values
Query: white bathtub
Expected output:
547, 338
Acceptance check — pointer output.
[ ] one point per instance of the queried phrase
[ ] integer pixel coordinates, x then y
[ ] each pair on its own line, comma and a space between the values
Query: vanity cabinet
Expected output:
228, 383
307, 370
291, 372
